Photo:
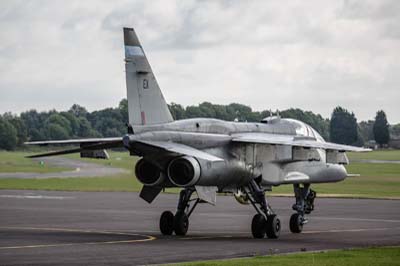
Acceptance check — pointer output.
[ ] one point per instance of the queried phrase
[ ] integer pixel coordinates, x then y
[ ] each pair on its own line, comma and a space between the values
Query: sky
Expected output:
313, 55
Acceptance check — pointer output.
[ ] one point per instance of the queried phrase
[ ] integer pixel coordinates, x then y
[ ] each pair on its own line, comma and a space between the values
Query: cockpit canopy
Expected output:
302, 129
270, 120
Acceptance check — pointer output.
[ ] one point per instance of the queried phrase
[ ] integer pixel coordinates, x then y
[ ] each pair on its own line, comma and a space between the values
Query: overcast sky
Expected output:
314, 55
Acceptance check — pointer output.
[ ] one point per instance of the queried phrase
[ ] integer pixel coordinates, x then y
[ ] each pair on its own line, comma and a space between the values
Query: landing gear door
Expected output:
250, 156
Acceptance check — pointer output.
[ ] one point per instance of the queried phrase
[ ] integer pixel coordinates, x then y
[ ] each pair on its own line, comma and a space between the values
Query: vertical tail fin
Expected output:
146, 103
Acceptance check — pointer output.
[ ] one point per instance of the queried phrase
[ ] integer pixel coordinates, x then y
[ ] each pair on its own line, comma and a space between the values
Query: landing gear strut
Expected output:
304, 205
179, 223
265, 222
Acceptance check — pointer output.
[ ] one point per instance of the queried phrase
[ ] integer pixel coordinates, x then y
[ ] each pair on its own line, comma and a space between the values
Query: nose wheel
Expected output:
304, 205
296, 223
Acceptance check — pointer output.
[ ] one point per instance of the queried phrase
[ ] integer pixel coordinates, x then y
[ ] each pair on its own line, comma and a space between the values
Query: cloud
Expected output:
268, 54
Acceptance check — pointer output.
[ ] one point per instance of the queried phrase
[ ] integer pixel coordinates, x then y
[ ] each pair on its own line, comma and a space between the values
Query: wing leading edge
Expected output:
85, 145
308, 142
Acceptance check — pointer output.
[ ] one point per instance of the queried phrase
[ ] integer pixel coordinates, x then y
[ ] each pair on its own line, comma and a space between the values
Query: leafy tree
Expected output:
112, 132
78, 110
177, 111
78, 122
222, 112
8, 135
365, 129
57, 132
317, 122
106, 119
73, 122
343, 127
123, 108
86, 130
193, 112
58, 119
381, 128
19, 126
36, 134
34, 123
242, 112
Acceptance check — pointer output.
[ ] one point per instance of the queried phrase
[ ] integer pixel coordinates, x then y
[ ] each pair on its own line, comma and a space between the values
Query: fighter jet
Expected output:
205, 156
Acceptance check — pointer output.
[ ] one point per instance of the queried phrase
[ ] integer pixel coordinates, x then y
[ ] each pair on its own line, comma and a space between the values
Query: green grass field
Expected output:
376, 180
387, 256
384, 155
16, 162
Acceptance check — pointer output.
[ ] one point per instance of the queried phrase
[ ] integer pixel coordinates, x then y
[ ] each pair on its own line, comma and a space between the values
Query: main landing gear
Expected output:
304, 205
265, 222
179, 223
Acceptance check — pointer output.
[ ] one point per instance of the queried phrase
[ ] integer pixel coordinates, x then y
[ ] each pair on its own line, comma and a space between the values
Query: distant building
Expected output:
394, 143
371, 144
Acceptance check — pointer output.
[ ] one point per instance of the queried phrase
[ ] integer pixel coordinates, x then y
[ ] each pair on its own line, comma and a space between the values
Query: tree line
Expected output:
77, 122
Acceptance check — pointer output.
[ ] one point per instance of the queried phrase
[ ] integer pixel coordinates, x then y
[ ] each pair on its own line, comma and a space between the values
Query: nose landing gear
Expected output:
304, 205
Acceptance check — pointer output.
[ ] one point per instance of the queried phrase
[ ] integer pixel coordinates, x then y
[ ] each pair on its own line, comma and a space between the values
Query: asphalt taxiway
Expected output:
103, 228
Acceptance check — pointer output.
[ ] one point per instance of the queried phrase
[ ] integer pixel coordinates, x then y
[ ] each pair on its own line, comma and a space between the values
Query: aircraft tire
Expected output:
181, 223
258, 226
167, 223
295, 224
273, 226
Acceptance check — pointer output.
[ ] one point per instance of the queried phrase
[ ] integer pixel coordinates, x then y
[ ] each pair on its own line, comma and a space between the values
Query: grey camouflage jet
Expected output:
210, 156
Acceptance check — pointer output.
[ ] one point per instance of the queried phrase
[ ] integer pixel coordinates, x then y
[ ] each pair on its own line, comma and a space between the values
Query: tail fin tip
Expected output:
130, 37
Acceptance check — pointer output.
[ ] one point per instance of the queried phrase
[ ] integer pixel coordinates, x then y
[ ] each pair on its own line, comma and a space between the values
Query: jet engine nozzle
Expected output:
148, 174
184, 171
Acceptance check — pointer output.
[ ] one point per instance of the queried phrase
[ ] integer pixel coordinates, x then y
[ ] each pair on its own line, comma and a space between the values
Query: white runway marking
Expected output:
36, 197
350, 230
144, 239
355, 219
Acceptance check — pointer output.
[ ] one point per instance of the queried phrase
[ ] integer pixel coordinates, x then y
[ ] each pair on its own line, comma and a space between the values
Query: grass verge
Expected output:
384, 256
384, 155
11, 162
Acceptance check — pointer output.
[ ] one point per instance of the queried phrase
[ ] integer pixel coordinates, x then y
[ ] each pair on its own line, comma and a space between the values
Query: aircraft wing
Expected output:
85, 145
74, 141
146, 147
141, 147
308, 142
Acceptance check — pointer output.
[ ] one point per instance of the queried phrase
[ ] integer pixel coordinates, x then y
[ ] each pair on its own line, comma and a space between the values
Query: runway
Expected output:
103, 228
